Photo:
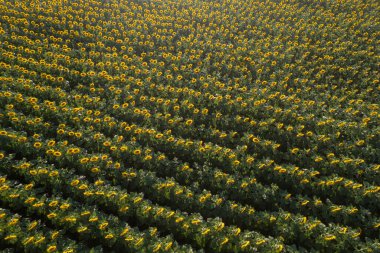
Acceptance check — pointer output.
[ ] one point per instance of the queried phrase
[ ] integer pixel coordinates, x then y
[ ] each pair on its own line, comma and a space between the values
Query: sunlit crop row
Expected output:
186, 126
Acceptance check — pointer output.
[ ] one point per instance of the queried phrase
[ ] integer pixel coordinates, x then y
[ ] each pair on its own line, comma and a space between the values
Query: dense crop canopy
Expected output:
189, 126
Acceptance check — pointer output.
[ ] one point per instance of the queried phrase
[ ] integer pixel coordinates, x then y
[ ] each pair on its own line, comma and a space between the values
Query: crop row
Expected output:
72, 148
156, 139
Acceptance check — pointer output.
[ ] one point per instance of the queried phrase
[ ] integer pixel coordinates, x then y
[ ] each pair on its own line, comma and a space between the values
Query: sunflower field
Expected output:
189, 126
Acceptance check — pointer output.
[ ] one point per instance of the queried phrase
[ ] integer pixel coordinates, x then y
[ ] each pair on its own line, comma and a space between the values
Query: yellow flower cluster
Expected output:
217, 122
